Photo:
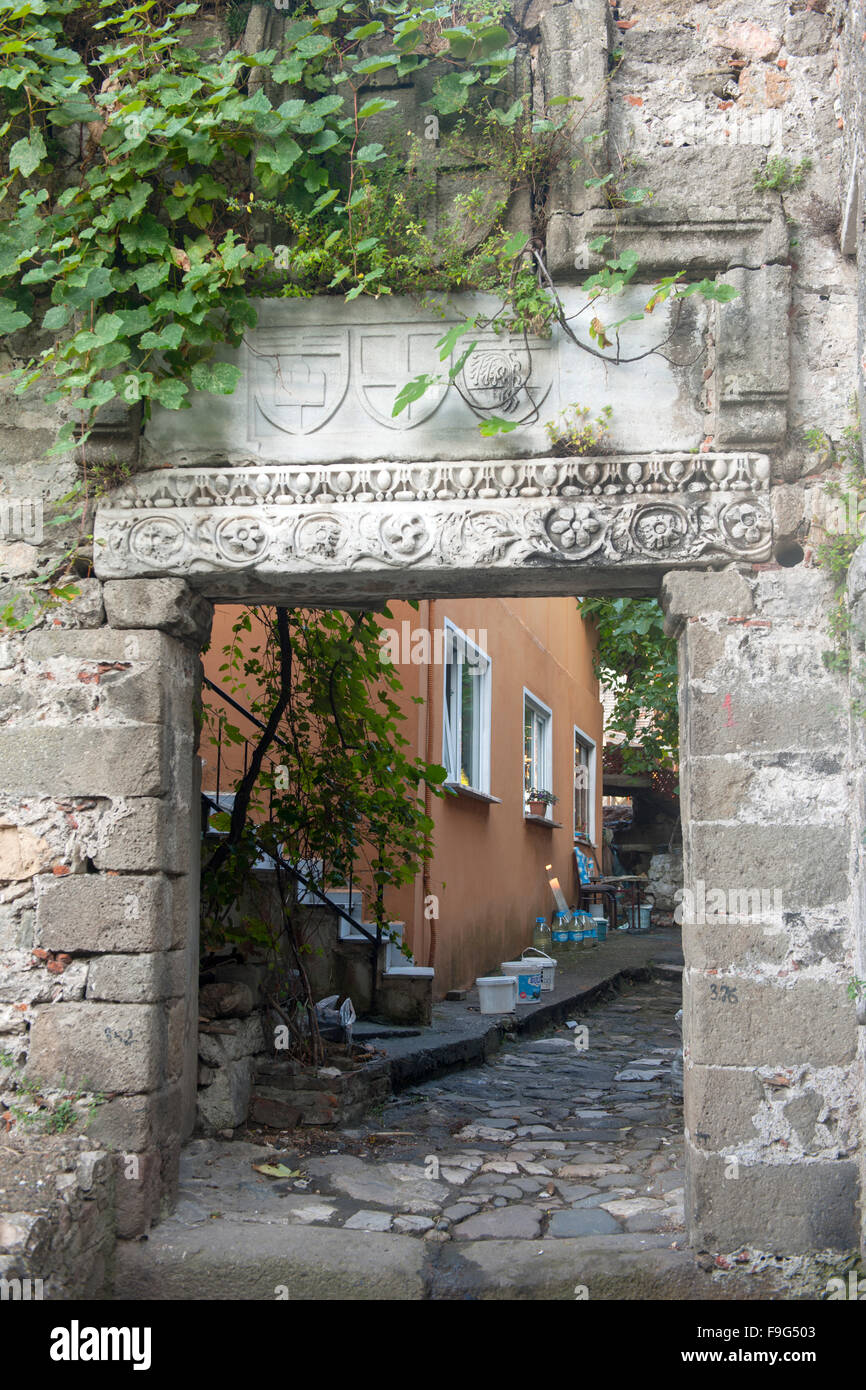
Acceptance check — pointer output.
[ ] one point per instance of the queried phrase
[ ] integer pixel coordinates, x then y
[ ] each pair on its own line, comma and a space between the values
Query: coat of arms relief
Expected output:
301, 379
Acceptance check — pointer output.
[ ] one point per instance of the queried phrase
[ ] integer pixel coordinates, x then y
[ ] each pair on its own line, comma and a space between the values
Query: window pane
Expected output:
450, 715
538, 773
582, 789
466, 714
469, 729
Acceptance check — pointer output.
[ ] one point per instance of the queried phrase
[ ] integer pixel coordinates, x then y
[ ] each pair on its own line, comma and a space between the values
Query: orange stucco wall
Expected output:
488, 871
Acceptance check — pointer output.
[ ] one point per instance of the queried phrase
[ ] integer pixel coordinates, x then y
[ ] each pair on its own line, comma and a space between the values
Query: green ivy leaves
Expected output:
28, 153
139, 255
11, 318
637, 662
139, 262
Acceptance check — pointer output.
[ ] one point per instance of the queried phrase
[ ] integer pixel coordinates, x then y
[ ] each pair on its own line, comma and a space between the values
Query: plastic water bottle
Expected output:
560, 928
541, 938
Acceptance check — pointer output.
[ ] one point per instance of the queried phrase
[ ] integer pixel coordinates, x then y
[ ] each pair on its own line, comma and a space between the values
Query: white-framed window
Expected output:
537, 749
466, 712
584, 786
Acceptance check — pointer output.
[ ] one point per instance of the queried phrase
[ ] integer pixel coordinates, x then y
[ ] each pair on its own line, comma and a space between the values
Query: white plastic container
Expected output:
541, 960
639, 917
527, 974
497, 993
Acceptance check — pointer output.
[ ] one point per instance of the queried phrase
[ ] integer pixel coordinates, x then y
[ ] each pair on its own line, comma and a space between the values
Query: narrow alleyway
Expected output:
551, 1138
550, 1141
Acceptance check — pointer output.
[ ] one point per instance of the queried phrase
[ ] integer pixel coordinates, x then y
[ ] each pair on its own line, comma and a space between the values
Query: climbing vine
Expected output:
143, 173
127, 240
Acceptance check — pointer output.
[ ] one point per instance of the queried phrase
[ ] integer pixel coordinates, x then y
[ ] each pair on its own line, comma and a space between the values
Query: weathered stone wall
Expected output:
850, 18
705, 94
857, 697
100, 893
773, 1079
770, 1034
57, 1218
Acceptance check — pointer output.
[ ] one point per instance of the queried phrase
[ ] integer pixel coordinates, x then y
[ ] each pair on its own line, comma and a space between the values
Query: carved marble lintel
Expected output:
285, 485
544, 513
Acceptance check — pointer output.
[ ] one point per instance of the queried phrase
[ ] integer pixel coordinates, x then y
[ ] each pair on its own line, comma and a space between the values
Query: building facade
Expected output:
509, 706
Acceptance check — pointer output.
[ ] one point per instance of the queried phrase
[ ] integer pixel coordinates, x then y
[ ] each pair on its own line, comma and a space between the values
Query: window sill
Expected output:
543, 820
472, 794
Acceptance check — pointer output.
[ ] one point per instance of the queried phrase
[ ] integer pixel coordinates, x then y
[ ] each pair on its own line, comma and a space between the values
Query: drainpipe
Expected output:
425, 733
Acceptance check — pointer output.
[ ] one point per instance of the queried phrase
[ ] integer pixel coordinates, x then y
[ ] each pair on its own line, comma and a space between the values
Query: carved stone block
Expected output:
321, 378
434, 523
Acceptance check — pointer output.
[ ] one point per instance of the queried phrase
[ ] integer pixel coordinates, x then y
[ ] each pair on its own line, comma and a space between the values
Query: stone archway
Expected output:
770, 1034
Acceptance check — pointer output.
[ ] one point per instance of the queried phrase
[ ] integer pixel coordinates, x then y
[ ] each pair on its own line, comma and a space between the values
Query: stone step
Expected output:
236, 1260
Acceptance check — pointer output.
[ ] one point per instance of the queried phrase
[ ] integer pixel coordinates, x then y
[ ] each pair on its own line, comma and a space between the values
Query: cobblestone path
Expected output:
544, 1140
550, 1140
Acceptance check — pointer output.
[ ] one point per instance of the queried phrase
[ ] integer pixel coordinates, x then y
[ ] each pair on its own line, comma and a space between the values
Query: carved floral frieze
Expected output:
661, 509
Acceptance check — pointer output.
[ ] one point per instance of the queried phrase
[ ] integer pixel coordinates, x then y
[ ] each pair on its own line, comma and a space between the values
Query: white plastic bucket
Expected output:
596, 910
528, 977
497, 993
547, 965
639, 917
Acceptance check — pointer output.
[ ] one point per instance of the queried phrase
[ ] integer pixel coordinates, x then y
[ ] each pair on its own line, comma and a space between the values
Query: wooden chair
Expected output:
592, 888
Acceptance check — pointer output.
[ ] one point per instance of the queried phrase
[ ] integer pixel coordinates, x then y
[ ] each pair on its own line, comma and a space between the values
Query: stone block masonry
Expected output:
57, 1216
98, 920
770, 1034
286, 1095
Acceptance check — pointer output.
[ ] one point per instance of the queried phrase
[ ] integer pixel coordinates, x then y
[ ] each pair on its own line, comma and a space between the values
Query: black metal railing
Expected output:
275, 857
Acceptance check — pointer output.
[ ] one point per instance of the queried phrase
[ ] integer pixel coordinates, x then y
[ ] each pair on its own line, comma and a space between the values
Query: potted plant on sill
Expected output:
538, 801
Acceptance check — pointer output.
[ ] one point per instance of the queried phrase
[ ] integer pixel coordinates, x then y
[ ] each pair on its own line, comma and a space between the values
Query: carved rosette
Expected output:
659, 529
241, 539
576, 531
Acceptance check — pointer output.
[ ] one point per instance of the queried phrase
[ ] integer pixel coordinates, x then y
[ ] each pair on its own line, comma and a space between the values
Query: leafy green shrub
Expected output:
126, 239
637, 661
